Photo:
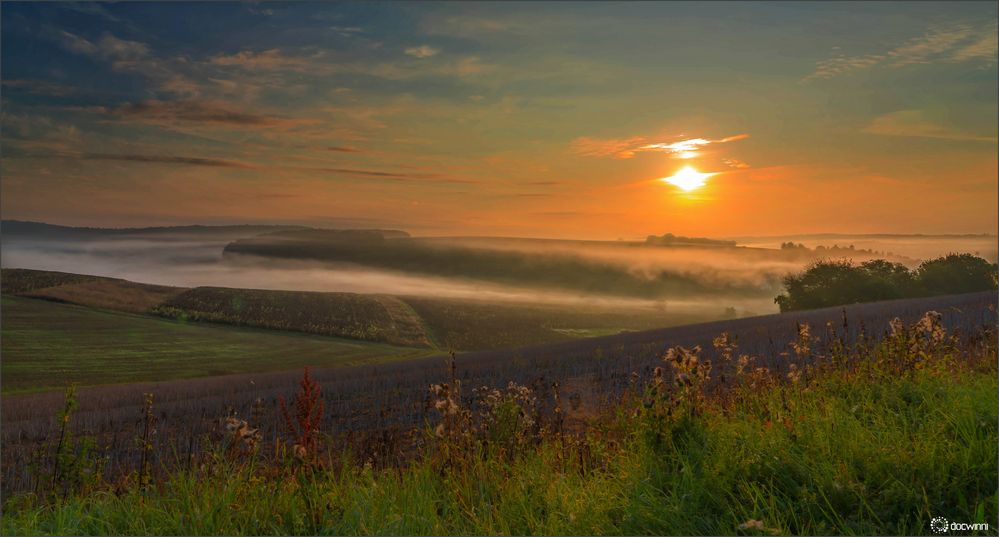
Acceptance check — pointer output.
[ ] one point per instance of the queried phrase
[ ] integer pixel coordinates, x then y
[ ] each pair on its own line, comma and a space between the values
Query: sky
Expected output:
518, 119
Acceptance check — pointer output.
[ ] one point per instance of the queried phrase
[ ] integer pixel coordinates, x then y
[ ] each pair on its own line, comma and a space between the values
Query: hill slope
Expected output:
349, 315
46, 345
398, 320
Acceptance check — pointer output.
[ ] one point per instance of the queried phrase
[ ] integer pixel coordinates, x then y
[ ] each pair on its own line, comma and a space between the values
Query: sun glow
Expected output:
688, 179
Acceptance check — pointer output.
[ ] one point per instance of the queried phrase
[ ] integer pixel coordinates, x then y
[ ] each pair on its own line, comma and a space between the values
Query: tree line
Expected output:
833, 283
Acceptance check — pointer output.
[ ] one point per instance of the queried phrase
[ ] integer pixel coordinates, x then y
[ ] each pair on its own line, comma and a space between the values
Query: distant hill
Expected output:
41, 230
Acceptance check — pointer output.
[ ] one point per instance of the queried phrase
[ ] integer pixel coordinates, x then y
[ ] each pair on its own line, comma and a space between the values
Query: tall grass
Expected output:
877, 438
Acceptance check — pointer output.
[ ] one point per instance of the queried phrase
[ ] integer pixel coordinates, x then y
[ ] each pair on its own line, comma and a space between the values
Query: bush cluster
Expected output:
833, 283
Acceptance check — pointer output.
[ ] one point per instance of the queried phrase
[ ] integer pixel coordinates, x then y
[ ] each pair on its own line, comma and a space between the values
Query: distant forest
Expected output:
670, 239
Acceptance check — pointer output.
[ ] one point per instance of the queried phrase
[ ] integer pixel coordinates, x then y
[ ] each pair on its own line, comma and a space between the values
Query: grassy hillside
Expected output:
463, 325
349, 315
46, 345
108, 294
474, 325
15, 281
872, 438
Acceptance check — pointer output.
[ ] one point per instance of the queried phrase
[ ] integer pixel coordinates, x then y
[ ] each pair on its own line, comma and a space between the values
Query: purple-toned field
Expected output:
371, 408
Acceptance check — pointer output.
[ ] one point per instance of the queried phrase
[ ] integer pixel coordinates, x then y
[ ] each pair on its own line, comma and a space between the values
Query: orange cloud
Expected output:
272, 59
422, 51
625, 149
595, 147
914, 123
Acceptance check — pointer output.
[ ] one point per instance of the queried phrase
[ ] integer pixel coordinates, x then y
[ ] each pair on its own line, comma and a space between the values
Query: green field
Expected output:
46, 345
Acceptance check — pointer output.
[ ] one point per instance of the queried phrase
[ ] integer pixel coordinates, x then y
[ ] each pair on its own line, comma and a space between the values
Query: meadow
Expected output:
47, 345
867, 420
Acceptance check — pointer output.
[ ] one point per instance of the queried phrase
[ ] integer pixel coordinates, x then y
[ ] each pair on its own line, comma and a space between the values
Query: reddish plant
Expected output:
308, 413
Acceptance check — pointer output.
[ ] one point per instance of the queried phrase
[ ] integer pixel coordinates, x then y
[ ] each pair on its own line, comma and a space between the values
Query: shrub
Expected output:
303, 423
833, 283
955, 273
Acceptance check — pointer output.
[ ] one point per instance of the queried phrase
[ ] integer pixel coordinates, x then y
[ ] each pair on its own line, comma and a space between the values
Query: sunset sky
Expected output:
521, 119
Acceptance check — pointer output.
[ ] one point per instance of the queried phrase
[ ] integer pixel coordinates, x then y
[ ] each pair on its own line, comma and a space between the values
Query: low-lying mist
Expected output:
718, 267
711, 278
913, 246
194, 263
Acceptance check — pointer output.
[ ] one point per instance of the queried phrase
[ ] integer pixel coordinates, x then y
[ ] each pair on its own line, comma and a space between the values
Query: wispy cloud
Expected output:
341, 149
393, 176
194, 111
50, 152
165, 74
839, 65
181, 86
90, 8
261, 12
40, 87
347, 31
32, 132
422, 51
688, 148
465, 25
121, 49
272, 59
576, 214
212, 162
939, 44
169, 159
107, 47
952, 43
597, 147
627, 148
914, 123
984, 47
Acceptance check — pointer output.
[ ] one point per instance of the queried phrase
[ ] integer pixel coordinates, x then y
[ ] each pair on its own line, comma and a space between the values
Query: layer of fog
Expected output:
190, 260
193, 263
711, 265
920, 248
758, 263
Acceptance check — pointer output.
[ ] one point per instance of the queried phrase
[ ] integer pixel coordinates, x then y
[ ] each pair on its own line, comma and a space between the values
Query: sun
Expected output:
687, 179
